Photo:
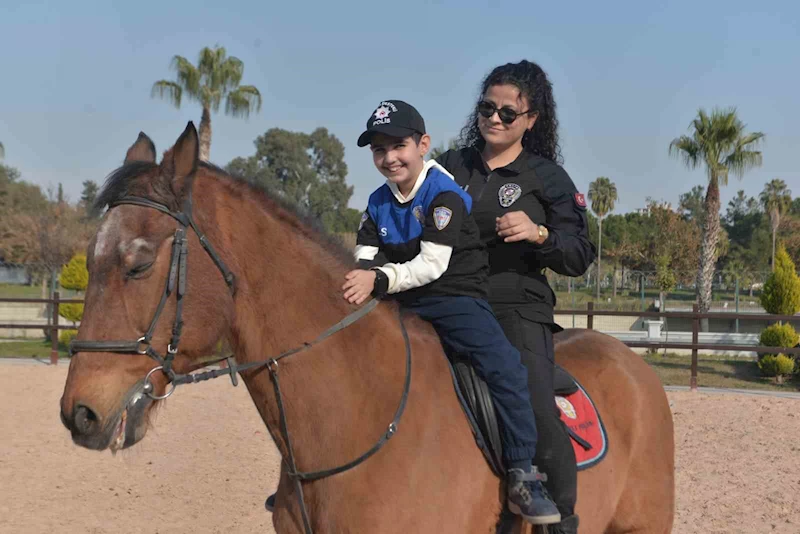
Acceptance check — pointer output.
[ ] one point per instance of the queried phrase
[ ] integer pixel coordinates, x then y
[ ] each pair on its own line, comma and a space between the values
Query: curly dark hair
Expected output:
533, 84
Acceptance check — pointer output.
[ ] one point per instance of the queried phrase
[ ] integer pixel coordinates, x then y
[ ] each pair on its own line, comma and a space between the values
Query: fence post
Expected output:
54, 331
590, 315
695, 330
737, 303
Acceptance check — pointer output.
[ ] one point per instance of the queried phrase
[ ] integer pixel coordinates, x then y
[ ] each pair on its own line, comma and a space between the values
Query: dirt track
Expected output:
209, 463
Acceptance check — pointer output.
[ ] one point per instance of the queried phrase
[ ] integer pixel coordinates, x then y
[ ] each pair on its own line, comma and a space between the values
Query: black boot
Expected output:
528, 498
568, 525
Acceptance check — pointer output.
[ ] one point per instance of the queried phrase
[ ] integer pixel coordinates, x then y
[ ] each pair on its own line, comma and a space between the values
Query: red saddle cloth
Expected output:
589, 438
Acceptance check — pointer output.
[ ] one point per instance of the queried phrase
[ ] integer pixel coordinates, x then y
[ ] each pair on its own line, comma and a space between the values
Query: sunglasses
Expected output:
506, 114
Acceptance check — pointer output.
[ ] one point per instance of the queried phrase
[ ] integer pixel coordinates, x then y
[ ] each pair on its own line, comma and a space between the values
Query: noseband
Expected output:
176, 283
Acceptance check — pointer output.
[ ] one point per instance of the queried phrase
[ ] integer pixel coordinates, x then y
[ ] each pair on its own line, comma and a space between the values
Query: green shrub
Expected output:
779, 335
71, 312
781, 293
74, 274
777, 366
66, 336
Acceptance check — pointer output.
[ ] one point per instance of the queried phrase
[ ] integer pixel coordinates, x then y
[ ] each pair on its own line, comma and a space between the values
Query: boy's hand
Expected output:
358, 286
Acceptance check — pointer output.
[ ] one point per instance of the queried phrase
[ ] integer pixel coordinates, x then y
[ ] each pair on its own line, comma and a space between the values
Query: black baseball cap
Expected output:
395, 118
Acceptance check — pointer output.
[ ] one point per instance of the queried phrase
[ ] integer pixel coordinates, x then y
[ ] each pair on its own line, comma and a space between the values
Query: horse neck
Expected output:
288, 293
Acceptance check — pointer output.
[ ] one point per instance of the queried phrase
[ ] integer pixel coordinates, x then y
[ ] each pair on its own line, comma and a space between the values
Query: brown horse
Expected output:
338, 396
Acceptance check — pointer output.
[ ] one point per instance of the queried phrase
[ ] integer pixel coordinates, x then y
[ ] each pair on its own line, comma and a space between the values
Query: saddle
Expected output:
578, 412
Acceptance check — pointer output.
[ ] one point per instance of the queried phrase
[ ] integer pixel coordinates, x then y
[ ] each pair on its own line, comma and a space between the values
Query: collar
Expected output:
430, 164
515, 167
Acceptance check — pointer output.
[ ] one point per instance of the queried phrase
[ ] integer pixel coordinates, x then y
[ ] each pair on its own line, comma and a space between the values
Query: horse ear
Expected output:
142, 150
182, 159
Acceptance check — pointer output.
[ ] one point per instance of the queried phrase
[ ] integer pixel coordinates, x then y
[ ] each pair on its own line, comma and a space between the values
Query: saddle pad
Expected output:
589, 437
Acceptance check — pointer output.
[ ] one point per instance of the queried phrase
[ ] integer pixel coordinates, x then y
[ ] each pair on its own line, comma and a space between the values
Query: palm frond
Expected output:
230, 73
686, 148
168, 90
188, 77
242, 101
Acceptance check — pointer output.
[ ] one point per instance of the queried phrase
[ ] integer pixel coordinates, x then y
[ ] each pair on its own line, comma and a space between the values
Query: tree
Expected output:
719, 143
306, 170
665, 279
781, 294
776, 199
88, 196
2, 151
603, 195
691, 205
215, 77
74, 276
435, 152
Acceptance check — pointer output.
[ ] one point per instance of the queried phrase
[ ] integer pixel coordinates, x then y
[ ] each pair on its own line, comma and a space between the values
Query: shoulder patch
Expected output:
418, 214
580, 200
364, 218
441, 217
508, 194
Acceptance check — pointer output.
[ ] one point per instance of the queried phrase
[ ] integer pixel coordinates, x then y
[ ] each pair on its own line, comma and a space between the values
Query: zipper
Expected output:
485, 183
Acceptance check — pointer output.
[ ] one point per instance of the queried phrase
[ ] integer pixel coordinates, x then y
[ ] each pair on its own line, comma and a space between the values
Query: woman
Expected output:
531, 217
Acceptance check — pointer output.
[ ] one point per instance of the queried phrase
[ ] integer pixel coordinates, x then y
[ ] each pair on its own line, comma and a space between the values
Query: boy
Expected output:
418, 242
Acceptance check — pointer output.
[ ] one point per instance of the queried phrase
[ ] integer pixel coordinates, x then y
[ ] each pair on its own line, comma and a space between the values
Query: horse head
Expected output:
143, 298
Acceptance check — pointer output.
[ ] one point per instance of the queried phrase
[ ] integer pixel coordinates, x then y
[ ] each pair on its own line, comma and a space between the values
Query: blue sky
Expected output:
629, 76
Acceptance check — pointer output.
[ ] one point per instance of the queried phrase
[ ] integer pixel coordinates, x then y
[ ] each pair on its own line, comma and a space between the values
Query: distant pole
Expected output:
54, 331
736, 297
695, 336
590, 315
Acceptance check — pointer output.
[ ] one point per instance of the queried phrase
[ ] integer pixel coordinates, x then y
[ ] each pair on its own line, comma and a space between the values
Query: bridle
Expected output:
176, 283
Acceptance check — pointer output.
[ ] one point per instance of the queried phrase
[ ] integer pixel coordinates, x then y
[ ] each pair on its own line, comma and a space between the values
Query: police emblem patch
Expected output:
417, 211
363, 220
441, 217
508, 194
566, 407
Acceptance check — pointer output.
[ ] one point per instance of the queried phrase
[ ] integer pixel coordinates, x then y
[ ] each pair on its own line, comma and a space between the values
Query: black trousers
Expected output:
554, 453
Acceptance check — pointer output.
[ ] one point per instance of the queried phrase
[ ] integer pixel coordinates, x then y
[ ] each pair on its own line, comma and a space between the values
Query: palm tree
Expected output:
719, 143
215, 77
776, 199
603, 195
2, 151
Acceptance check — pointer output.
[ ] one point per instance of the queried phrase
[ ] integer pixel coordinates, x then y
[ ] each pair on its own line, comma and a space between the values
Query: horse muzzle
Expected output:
126, 428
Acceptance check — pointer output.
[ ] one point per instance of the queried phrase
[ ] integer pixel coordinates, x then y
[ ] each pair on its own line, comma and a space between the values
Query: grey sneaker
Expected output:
528, 498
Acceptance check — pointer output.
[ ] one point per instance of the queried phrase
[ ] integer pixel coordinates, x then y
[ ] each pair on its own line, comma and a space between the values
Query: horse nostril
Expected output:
85, 421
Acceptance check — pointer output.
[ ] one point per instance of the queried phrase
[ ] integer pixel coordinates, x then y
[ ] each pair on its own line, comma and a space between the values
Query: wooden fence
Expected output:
589, 312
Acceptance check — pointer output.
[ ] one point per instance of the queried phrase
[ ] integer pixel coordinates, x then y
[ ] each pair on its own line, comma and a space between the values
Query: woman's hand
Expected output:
517, 226
358, 286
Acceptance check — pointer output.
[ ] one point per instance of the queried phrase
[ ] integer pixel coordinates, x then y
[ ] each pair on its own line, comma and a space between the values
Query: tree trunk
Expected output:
599, 251
774, 234
708, 249
205, 134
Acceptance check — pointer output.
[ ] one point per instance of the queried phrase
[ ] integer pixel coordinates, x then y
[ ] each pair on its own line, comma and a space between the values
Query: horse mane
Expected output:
143, 179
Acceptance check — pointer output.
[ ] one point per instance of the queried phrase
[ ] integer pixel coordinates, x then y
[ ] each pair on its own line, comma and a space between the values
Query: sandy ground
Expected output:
209, 463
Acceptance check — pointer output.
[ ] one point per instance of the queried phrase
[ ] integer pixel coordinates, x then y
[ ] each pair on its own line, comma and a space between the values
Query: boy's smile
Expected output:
400, 160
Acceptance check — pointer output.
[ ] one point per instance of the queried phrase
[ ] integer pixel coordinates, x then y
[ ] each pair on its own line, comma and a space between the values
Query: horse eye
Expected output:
139, 270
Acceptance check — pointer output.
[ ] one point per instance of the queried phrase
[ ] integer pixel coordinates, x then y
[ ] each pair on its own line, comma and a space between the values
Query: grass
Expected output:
715, 371
13, 291
33, 348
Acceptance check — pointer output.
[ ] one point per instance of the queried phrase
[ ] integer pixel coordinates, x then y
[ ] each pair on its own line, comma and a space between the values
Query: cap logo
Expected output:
382, 113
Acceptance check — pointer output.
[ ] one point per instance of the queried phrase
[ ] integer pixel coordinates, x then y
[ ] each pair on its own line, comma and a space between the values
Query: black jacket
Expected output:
545, 192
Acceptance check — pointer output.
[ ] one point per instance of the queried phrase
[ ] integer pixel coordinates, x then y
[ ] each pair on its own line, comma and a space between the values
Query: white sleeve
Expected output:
427, 266
365, 252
